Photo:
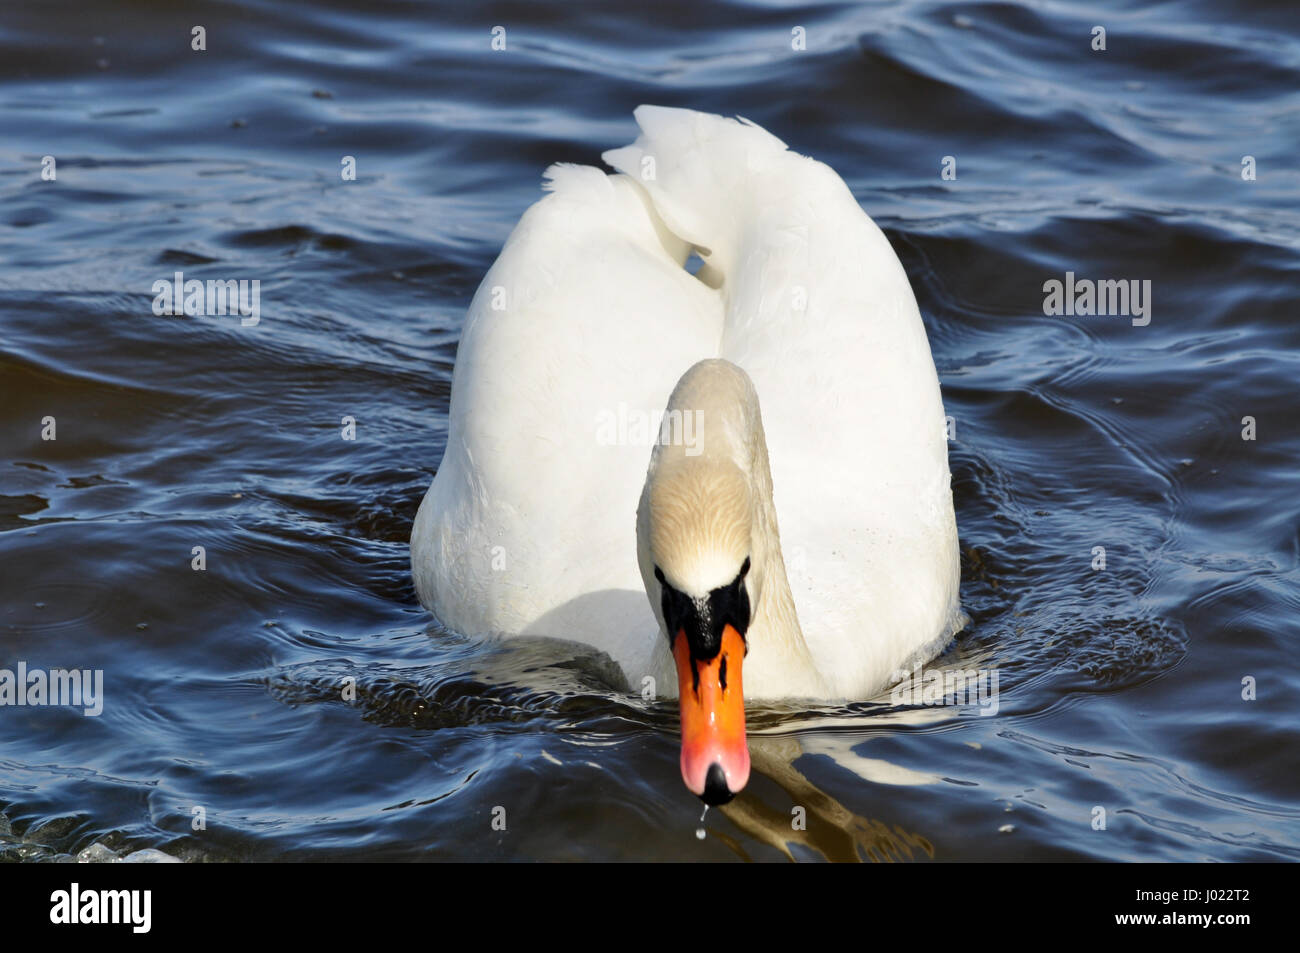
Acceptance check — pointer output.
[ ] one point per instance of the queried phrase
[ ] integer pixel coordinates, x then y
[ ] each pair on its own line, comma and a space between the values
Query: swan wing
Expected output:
570, 349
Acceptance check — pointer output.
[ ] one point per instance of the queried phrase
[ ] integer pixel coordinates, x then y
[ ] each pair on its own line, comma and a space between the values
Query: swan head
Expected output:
701, 568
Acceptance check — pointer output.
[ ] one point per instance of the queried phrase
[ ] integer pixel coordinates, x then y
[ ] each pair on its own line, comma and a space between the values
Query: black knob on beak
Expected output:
716, 792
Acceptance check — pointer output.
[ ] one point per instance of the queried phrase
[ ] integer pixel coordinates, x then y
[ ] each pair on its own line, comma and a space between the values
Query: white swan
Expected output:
816, 543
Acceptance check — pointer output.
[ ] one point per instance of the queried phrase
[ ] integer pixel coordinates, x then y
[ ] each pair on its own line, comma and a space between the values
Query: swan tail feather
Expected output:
577, 181
696, 167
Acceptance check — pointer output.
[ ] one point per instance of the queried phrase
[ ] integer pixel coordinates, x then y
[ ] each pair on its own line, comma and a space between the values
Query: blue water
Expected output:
1121, 688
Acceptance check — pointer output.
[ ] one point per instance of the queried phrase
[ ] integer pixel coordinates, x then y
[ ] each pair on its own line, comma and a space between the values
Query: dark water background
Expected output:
1120, 688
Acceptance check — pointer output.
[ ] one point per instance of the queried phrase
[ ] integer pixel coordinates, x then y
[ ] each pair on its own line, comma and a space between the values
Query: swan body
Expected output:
808, 430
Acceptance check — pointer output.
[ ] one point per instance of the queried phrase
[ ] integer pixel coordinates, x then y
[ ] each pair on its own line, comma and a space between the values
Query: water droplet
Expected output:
699, 833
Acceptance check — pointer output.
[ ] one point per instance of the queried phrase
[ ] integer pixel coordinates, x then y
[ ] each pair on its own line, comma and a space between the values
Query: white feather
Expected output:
529, 526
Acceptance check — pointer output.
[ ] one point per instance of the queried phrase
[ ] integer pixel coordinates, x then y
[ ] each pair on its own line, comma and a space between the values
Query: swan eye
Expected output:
703, 618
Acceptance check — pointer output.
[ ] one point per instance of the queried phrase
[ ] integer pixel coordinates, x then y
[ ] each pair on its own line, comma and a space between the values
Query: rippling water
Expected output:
1121, 688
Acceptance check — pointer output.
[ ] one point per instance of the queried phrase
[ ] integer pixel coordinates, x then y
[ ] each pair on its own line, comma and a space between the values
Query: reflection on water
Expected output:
816, 822
294, 690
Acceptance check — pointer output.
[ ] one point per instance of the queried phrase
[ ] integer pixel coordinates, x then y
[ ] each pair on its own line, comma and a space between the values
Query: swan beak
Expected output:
715, 757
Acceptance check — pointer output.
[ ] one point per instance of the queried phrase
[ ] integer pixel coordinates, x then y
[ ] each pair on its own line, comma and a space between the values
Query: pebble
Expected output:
97, 854
150, 856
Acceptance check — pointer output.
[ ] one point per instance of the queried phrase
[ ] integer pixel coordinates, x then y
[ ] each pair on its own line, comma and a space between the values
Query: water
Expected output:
1121, 688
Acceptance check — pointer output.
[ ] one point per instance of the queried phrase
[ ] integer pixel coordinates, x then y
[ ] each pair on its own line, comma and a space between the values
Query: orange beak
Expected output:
715, 757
